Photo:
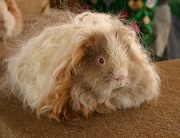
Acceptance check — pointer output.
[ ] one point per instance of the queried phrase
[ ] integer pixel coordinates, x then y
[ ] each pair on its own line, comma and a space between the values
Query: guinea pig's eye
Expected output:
101, 60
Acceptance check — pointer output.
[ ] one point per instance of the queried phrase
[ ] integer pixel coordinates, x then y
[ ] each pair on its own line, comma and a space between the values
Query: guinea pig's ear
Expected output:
15, 11
10, 4
13, 8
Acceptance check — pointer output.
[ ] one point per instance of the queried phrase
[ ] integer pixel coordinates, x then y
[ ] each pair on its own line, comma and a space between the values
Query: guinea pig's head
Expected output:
105, 63
104, 66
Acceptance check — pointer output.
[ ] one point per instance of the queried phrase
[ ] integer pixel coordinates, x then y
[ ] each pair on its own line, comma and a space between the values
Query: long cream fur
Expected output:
42, 72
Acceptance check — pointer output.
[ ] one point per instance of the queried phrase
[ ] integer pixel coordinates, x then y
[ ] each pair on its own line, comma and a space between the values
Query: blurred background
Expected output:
156, 22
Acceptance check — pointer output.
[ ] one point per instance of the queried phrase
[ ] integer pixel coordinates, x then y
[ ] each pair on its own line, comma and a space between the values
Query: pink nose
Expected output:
2, 22
121, 78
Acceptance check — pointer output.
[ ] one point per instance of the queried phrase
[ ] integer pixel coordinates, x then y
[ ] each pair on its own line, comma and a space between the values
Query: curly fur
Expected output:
11, 14
57, 72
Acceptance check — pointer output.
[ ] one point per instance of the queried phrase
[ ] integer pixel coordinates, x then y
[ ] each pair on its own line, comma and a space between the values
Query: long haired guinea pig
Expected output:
92, 64
10, 19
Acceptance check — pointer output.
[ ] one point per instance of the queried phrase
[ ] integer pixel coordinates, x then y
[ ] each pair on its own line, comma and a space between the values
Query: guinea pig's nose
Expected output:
2, 22
120, 78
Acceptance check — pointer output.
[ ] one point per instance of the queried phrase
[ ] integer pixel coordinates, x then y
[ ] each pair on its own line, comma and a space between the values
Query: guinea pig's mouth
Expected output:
2, 26
2, 22
120, 82
120, 85
2, 31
